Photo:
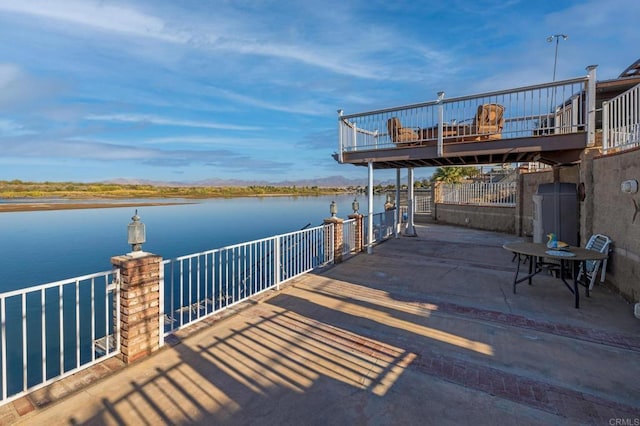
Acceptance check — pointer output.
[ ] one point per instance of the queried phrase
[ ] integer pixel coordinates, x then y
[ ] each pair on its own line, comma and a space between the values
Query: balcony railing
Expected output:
560, 107
53, 330
621, 121
199, 285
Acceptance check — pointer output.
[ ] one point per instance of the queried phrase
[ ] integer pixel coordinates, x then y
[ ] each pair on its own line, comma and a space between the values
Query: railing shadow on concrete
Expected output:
327, 338
252, 365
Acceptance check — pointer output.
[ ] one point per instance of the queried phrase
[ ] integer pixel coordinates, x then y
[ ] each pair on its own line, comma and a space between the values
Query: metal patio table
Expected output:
534, 253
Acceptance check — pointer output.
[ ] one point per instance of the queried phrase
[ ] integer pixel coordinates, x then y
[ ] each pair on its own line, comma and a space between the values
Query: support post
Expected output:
140, 278
370, 209
410, 230
440, 148
398, 221
340, 136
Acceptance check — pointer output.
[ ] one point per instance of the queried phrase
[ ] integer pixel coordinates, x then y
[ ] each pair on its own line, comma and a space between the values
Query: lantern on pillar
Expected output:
136, 233
333, 209
355, 206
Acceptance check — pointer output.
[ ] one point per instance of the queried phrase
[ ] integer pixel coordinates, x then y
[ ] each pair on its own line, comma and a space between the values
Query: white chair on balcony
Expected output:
589, 269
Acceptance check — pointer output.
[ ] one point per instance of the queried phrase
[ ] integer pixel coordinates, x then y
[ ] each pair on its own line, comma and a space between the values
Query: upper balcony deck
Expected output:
551, 123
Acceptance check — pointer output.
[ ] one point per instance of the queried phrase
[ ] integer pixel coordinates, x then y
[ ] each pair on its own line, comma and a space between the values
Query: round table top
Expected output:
541, 250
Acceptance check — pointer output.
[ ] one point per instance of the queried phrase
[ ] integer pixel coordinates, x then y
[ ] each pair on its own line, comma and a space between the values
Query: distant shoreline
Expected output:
34, 207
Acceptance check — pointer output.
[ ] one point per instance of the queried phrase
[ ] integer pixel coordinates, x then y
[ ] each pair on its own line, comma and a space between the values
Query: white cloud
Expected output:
231, 142
161, 121
9, 128
9, 73
365, 56
309, 108
98, 15
18, 88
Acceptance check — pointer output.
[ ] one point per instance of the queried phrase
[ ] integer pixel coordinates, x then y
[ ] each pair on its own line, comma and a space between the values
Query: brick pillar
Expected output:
337, 237
359, 234
139, 305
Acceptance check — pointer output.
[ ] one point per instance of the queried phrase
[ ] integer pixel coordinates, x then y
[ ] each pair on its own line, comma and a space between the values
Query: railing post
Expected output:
370, 208
440, 129
337, 237
605, 126
358, 236
161, 305
574, 114
398, 217
277, 261
591, 105
139, 323
340, 136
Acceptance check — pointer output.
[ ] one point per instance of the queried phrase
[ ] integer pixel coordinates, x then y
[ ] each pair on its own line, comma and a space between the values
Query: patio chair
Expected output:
589, 269
401, 134
487, 124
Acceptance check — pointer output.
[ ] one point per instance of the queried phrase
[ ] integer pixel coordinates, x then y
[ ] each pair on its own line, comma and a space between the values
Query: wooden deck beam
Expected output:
550, 149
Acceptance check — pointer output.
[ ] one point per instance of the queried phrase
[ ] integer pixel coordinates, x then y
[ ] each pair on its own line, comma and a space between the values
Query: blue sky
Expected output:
194, 89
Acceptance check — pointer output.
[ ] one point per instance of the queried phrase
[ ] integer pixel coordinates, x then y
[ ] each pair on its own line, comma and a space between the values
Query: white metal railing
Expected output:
53, 330
481, 194
557, 107
621, 121
382, 226
349, 236
422, 204
536, 166
201, 284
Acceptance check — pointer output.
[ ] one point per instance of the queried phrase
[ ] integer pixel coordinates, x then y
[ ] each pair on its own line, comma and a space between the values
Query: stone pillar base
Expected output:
139, 305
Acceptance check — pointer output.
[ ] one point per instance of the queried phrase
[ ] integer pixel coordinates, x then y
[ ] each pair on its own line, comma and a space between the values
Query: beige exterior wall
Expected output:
499, 219
613, 214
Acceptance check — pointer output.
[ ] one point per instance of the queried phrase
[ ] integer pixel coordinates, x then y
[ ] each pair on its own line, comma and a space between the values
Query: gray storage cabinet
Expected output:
555, 209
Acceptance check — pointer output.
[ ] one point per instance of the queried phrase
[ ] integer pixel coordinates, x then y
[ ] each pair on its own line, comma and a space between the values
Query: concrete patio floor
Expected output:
426, 330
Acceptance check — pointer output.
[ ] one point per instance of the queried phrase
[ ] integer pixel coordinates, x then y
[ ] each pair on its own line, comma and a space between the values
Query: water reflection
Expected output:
45, 246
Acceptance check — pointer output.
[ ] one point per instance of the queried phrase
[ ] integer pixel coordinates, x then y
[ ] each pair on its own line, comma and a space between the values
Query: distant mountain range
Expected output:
327, 182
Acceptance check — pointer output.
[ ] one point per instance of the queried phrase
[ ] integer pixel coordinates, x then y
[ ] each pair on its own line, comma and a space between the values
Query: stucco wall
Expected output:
613, 215
499, 219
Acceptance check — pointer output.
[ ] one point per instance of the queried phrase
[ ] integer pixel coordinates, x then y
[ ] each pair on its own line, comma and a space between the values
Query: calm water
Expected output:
41, 247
